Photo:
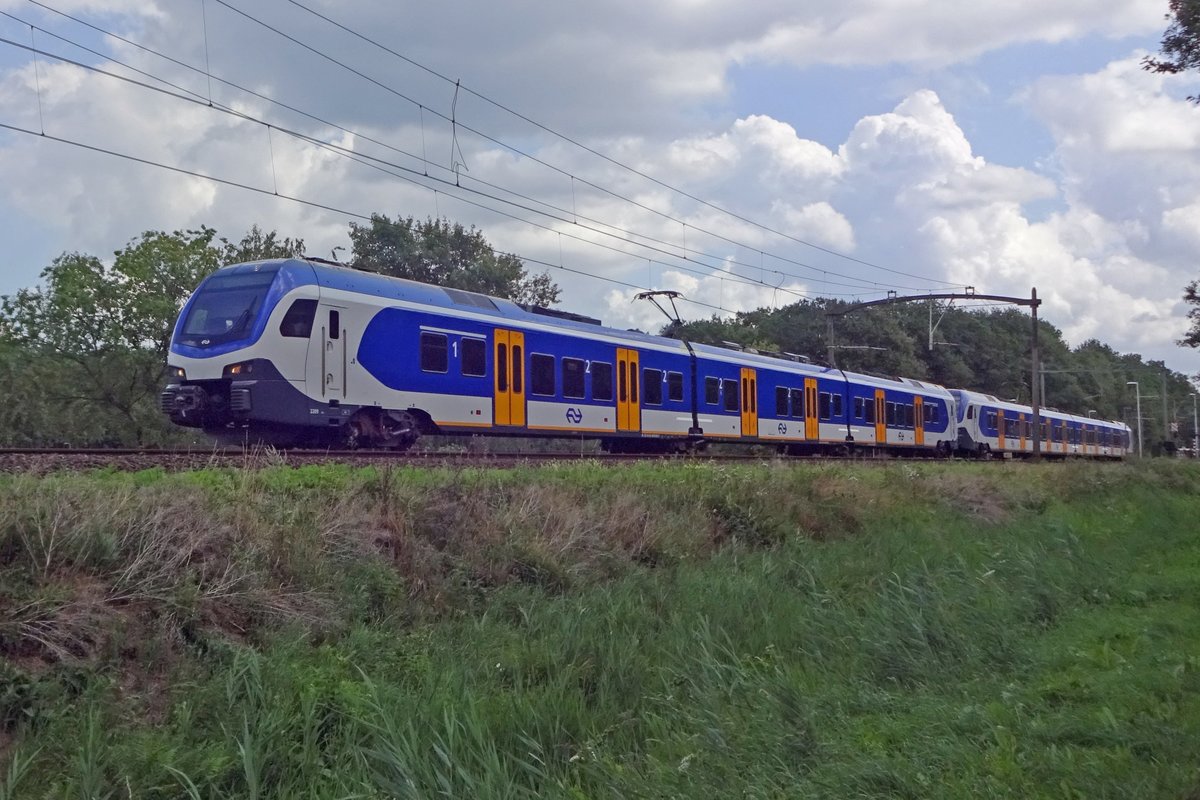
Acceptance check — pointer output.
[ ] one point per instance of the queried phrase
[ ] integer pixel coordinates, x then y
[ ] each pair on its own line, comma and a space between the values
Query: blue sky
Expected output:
1016, 145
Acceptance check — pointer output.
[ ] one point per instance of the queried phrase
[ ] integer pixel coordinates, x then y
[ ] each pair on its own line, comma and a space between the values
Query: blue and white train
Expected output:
303, 352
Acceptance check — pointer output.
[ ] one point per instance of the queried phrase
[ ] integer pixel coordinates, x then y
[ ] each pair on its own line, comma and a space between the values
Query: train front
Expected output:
229, 363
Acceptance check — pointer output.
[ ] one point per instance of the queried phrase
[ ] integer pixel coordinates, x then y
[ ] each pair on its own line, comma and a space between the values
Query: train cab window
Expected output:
298, 321
541, 374
824, 405
572, 377
474, 360
781, 401
652, 383
837, 405
797, 403
335, 326
675, 386
433, 352
970, 412
729, 389
712, 391
601, 381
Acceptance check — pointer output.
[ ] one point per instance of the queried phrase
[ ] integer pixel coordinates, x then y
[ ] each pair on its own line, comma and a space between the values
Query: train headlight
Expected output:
235, 370
176, 372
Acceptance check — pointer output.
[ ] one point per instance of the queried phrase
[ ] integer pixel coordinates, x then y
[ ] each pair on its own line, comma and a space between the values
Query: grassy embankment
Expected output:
690, 631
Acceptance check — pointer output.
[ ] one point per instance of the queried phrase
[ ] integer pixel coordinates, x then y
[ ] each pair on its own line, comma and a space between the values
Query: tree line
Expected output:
82, 354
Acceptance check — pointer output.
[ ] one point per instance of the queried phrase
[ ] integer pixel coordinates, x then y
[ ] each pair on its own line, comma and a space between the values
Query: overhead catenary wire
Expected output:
312, 204
597, 153
524, 154
199, 99
819, 274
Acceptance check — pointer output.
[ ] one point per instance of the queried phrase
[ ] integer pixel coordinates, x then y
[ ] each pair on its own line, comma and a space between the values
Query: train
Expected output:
310, 353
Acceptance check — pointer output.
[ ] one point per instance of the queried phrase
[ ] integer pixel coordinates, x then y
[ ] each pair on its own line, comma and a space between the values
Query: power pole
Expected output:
1037, 368
1166, 425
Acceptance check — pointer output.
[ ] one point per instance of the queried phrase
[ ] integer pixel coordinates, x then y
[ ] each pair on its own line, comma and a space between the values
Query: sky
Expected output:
746, 155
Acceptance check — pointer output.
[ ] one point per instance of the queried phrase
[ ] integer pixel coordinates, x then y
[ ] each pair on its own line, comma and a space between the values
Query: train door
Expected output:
1001, 429
812, 430
509, 361
880, 418
1021, 429
629, 410
919, 420
333, 352
749, 402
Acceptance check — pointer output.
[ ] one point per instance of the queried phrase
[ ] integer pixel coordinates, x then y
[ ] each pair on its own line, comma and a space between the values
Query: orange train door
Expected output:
811, 429
1021, 428
509, 352
919, 420
1000, 428
629, 409
880, 418
749, 402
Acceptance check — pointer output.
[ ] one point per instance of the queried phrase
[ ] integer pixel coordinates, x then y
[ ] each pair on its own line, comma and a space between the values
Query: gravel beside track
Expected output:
42, 461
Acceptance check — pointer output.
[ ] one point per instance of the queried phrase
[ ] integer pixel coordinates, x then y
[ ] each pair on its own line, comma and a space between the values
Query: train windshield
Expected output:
225, 308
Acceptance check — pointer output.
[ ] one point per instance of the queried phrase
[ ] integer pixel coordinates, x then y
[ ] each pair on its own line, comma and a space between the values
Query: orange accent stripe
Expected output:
449, 424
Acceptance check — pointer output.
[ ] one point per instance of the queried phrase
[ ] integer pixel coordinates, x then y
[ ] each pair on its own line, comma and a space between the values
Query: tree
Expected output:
445, 254
1180, 43
82, 354
259, 246
1191, 295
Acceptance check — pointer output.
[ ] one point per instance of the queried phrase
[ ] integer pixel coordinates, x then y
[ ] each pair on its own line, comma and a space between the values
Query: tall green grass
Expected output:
909, 631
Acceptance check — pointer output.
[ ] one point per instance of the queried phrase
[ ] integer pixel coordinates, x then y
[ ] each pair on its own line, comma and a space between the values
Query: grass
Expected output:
653, 631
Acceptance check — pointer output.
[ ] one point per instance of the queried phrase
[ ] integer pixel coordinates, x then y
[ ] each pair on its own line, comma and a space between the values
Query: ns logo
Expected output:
574, 416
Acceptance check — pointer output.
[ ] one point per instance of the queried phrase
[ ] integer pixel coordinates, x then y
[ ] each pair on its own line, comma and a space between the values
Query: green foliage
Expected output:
924, 630
1191, 296
1181, 41
445, 254
82, 355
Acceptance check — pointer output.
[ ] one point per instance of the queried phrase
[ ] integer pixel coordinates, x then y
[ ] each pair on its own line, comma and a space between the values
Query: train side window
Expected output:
335, 326
781, 401
837, 405
502, 367
823, 405
652, 383
298, 321
675, 386
601, 381
970, 412
712, 391
541, 374
433, 352
908, 416
869, 410
730, 389
572, 377
797, 403
891, 414
474, 358
858, 408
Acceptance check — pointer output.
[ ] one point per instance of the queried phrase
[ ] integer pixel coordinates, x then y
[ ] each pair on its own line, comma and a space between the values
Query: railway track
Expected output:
44, 460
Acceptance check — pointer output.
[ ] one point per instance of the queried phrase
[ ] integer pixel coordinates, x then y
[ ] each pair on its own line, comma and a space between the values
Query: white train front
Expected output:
297, 352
